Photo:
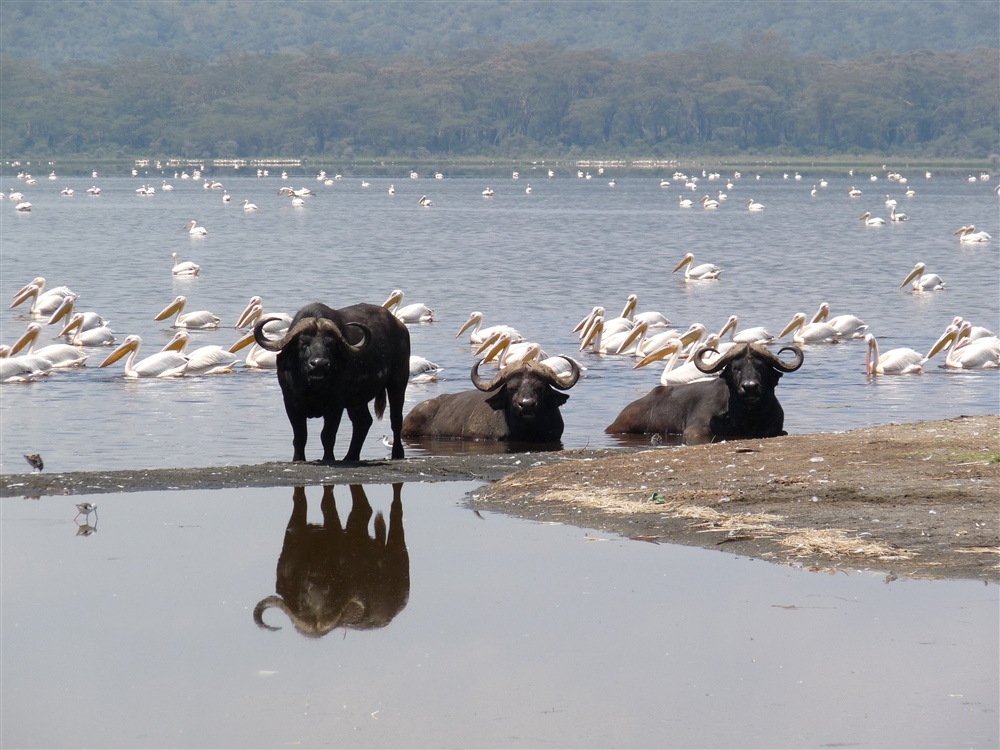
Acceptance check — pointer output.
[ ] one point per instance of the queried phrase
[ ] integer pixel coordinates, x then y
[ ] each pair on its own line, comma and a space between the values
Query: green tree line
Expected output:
752, 97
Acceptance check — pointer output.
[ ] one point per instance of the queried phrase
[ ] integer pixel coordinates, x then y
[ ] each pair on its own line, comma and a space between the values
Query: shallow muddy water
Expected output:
489, 631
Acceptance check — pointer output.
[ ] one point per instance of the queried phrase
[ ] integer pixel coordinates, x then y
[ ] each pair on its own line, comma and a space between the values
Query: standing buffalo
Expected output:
329, 576
740, 403
518, 405
332, 360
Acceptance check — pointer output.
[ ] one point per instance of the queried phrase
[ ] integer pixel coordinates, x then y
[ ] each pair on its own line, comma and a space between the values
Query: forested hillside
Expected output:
54, 31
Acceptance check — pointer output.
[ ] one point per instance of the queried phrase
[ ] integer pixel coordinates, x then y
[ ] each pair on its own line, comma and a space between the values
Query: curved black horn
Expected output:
721, 361
557, 382
354, 350
779, 364
484, 385
276, 345
262, 605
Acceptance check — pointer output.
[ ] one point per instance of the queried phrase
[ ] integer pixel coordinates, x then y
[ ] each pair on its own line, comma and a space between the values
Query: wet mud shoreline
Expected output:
919, 500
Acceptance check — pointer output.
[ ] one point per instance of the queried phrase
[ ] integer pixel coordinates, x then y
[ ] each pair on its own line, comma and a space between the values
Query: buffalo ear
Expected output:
498, 401
559, 398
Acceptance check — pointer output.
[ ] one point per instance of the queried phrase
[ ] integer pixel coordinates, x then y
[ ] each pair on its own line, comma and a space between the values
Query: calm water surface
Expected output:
513, 634
536, 261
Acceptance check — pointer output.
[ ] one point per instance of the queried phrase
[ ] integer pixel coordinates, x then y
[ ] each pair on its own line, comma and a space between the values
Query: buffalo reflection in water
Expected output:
330, 576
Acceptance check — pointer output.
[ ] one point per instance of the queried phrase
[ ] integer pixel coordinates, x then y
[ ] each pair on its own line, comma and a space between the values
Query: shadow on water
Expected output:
430, 446
332, 576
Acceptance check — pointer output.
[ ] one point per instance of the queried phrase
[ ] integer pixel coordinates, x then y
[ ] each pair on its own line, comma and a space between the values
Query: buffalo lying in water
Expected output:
520, 404
740, 403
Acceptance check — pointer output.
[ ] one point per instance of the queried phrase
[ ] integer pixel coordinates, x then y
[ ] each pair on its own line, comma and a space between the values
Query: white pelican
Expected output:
194, 230
890, 202
424, 202
813, 191
703, 272
641, 344
298, 202
479, 334
910, 192
895, 216
414, 313
488, 192
66, 191
39, 281
720, 196
613, 183
929, 282
633, 341
755, 335
205, 360
16, 197
23, 207
422, 370
601, 341
809, 333
21, 369
365, 183
823, 183
975, 332
198, 319
60, 355
664, 183
392, 190
685, 202
88, 320
97, 336
159, 365
509, 353
670, 376
93, 190
969, 234
248, 206
552, 173
185, 268
871, 221
276, 327
854, 192
847, 326
653, 318
752, 205
900, 361
528, 189
967, 353
257, 358
43, 303
707, 202
164, 185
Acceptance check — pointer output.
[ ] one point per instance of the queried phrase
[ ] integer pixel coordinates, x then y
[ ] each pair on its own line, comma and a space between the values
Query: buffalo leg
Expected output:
331, 423
397, 395
362, 420
299, 432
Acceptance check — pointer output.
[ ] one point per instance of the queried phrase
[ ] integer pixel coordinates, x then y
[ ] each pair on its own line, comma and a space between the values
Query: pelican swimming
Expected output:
967, 353
752, 205
422, 370
479, 334
488, 192
257, 358
653, 318
646, 343
21, 369
194, 230
164, 185
896, 217
847, 326
424, 202
413, 313
93, 190
160, 365
755, 335
248, 206
703, 272
205, 360
392, 190
969, 234
871, 221
673, 375
809, 333
854, 192
890, 202
685, 202
99, 335
198, 319
900, 361
23, 207
708, 203
185, 268
277, 324
66, 191
601, 341
88, 320
43, 303
929, 282
509, 353
60, 355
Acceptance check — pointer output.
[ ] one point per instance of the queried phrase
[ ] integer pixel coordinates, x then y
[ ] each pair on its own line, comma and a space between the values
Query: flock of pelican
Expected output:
645, 336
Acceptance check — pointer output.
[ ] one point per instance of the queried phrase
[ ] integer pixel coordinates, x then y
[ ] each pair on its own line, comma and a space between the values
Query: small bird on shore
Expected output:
85, 509
36, 462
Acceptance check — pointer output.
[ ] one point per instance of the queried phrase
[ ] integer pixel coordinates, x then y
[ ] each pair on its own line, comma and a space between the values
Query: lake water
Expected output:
537, 261
141, 633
